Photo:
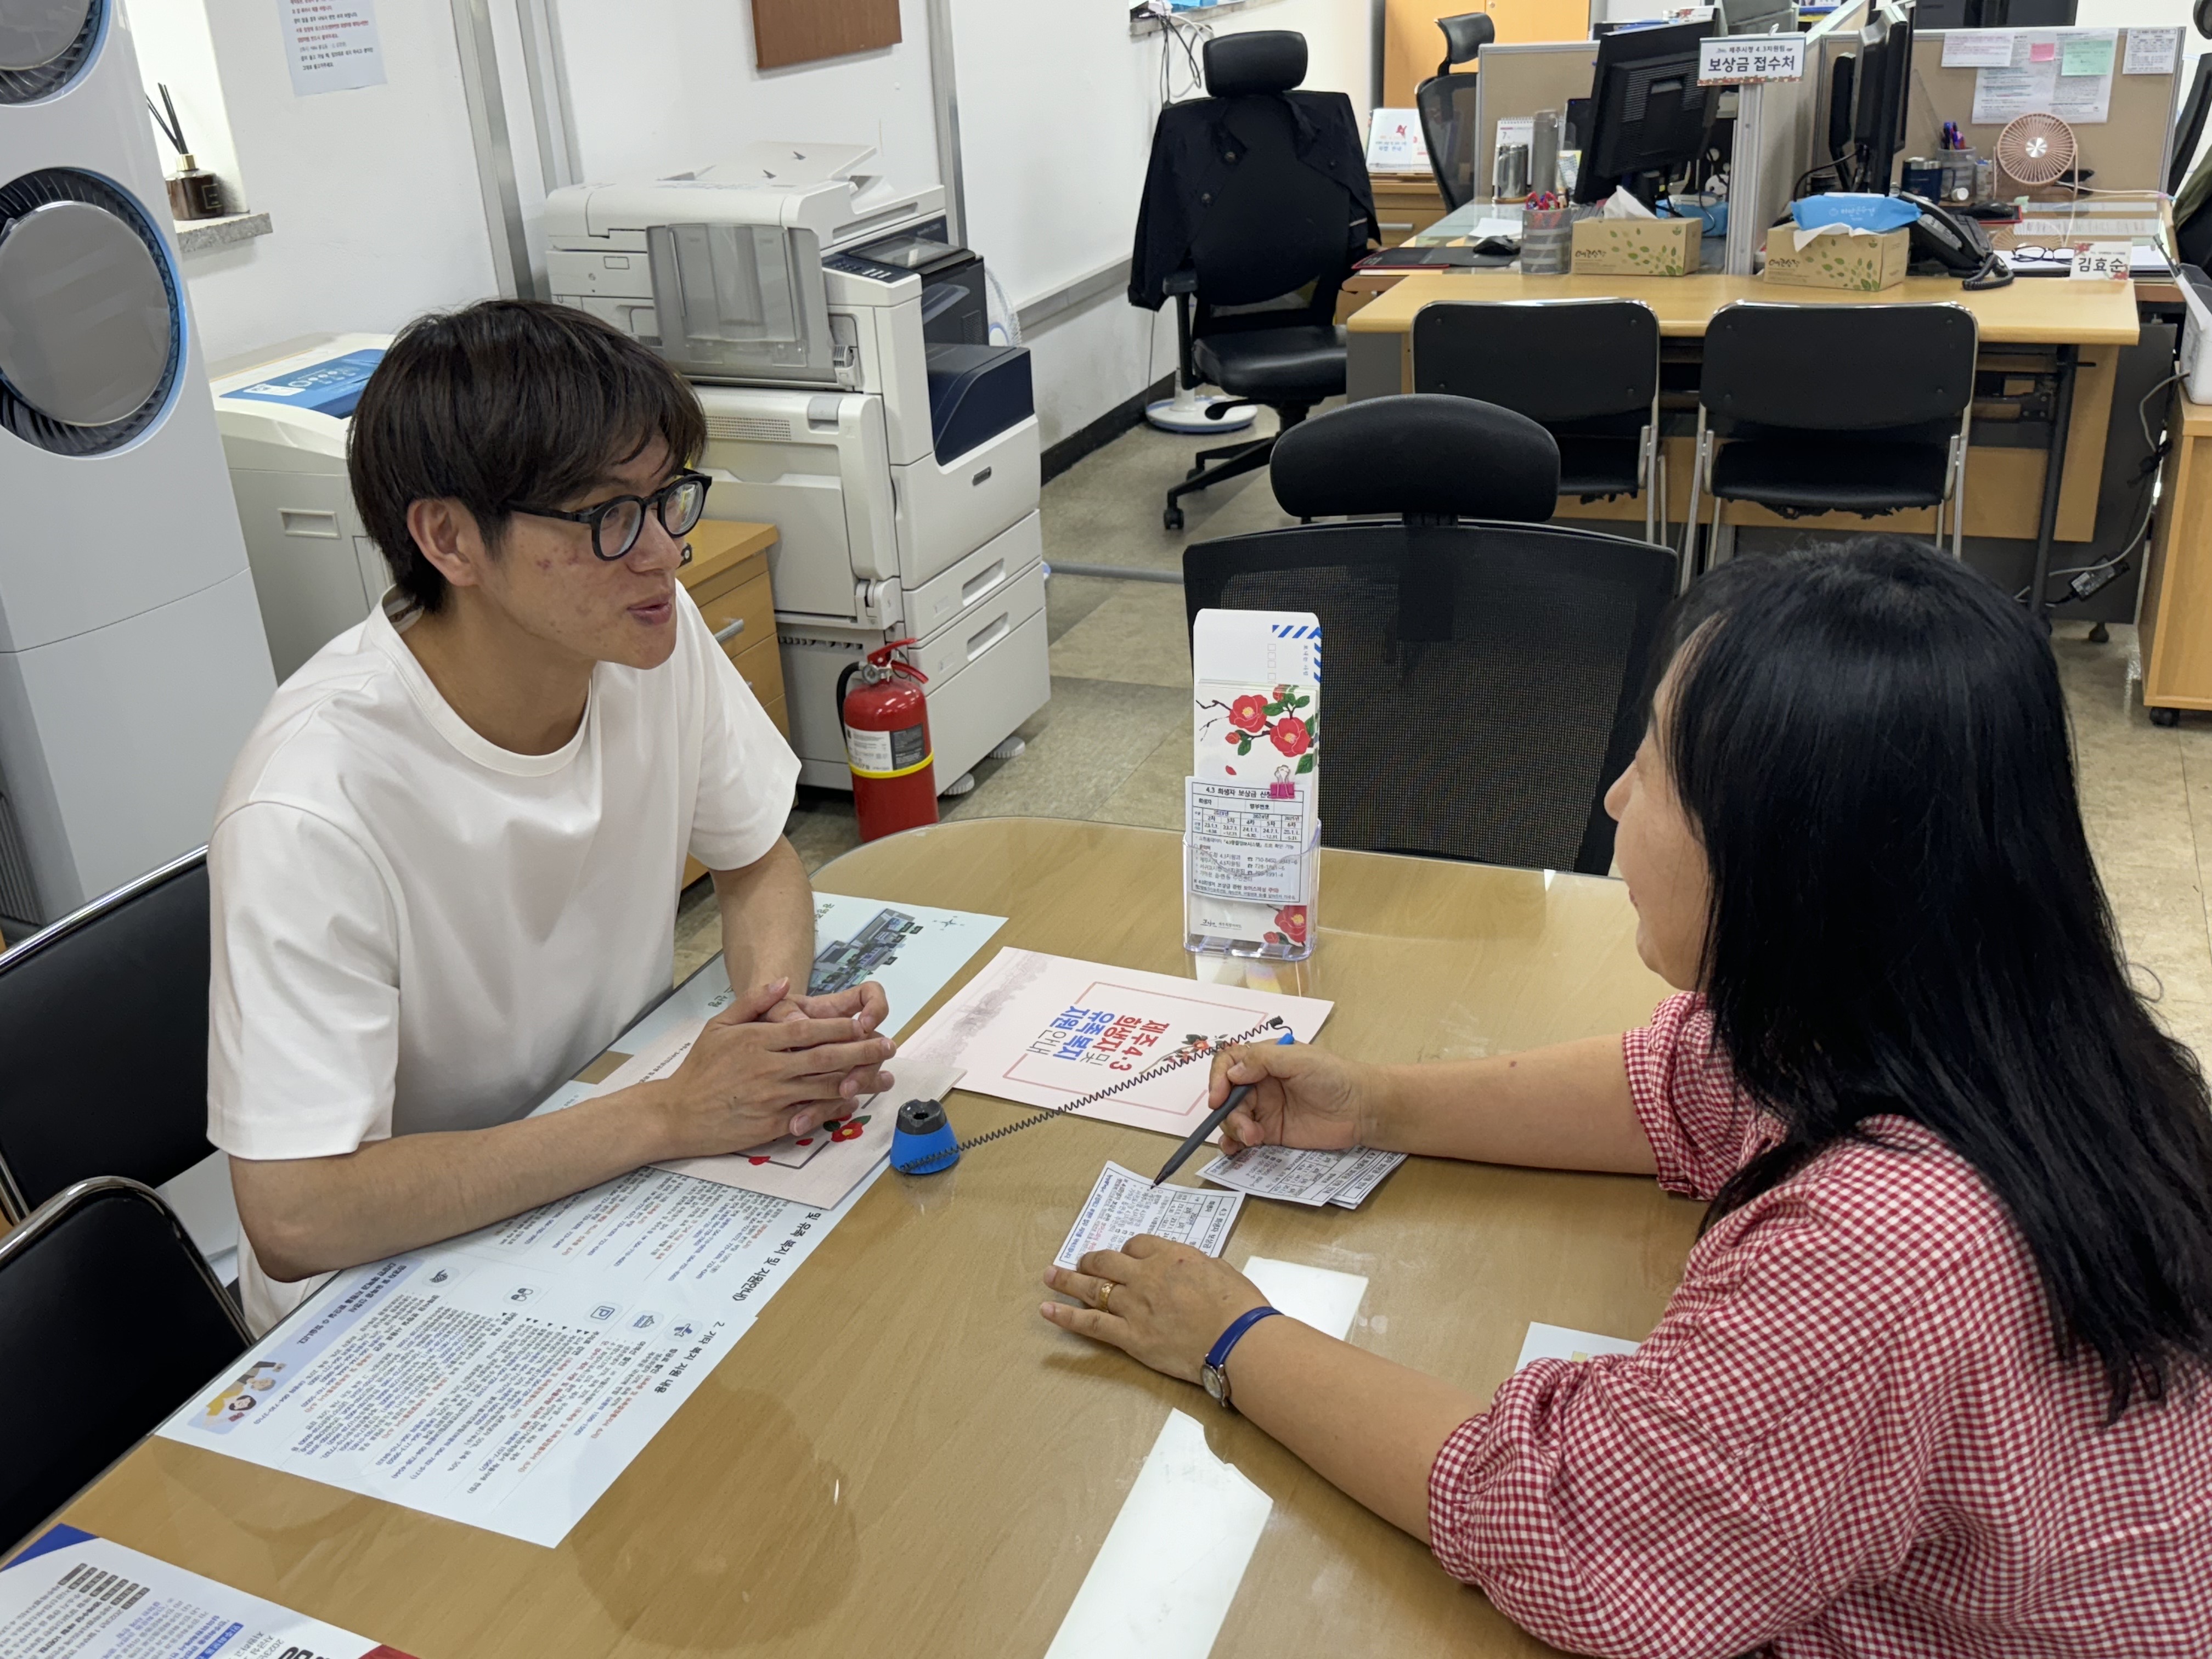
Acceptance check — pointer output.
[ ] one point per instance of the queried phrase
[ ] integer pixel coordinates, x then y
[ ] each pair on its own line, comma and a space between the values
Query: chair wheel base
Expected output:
2166, 717
1172, 519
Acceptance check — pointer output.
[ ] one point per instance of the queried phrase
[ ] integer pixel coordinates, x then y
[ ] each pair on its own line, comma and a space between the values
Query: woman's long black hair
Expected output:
1871, 743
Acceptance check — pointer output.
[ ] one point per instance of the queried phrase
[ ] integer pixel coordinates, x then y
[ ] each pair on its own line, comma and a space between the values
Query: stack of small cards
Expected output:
1303, 1177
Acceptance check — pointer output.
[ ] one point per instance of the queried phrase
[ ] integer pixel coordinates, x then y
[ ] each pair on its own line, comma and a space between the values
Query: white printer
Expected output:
283, 422
838, 342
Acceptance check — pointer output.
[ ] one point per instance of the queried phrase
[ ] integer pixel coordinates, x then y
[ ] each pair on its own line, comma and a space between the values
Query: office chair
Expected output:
103, 1041
1486, 678
110, 1321
1274, 232
1835, 408
2189, 125
1588, 370
1446, 103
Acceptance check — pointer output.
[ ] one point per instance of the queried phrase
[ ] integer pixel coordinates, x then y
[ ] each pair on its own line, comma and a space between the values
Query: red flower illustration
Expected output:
1291, 919
849, 1130
755, 1160
1291, 736
1248, 713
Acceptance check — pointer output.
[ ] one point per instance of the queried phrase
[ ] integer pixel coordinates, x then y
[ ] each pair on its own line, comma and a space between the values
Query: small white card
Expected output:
2102, 262
1735, 59
2151, 52
1298, 1176
1124, 1204
1558, 1342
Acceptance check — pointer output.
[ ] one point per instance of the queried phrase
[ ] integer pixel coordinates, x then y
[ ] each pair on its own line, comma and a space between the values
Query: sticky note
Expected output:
2042, 51
2086, 54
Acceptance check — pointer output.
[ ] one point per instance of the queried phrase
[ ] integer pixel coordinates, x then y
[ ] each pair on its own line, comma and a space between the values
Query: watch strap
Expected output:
1217, 1355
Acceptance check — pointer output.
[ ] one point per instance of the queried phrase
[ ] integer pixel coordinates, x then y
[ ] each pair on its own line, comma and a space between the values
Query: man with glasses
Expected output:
444, 867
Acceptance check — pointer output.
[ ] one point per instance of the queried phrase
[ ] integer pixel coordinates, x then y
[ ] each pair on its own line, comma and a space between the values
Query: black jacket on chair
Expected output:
1194, 147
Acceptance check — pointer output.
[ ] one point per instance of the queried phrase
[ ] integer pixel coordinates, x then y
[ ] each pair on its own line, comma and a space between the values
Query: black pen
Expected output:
1214, 1119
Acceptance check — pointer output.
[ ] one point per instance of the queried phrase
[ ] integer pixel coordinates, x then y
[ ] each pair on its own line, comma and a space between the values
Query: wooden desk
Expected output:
1405, 203
901, 1458
2005, 493
2176, 603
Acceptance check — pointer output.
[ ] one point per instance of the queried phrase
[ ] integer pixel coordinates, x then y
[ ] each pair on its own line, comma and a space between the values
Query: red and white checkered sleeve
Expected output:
1767, 1449
1686, 1097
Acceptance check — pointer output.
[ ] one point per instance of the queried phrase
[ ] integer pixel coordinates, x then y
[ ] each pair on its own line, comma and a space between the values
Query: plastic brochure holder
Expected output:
1251, 820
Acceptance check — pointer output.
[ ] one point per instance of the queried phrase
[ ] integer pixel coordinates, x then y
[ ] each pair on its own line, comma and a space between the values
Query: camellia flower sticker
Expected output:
1254, 716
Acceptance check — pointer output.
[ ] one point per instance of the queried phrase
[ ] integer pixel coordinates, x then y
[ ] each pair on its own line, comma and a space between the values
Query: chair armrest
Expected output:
1180, 281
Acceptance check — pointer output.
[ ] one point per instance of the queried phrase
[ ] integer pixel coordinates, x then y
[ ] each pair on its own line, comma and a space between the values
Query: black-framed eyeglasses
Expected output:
616, 525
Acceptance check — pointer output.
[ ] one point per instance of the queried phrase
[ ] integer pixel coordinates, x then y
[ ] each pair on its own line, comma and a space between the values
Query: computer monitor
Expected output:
1885, 75
1648, 114
1758, 16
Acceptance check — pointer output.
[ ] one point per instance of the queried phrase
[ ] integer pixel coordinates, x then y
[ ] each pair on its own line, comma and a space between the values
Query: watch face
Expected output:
1217, 1384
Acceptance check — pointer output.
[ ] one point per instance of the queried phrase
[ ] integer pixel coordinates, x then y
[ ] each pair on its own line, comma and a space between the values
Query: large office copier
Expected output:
838, 342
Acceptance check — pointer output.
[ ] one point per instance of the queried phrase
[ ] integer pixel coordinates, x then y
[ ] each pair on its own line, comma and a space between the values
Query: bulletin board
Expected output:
2127, 151
786, 31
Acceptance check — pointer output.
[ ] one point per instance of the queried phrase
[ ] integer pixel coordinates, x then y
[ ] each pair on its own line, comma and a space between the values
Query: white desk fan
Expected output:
2037, 149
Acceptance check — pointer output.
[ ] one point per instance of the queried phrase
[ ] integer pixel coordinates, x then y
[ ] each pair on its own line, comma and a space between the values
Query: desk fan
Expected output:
2037, 149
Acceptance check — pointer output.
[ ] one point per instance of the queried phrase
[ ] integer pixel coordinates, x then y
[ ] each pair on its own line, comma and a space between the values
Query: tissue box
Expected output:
1836, 258
1637, 247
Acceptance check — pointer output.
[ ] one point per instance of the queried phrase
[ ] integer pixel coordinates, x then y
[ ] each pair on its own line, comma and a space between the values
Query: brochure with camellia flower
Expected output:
1252, 827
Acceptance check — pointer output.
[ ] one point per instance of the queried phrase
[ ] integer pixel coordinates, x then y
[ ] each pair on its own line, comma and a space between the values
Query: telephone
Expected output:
1956, 243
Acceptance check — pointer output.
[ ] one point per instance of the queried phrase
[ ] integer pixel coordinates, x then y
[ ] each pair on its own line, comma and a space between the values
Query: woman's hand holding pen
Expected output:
1301, 1097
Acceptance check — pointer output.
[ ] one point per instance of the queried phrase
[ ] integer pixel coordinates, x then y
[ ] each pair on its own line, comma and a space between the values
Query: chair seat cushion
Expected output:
1597, 466
1301, 365
1818, 474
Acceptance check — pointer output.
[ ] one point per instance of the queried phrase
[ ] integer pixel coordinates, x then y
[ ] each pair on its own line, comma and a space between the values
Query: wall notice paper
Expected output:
1395, 142
331, 45
1124, 1204
1976, 49
1042, 1030
74, 1594
1558, 1342
1297, 1177
2151, 52
2063, 72
506, 1378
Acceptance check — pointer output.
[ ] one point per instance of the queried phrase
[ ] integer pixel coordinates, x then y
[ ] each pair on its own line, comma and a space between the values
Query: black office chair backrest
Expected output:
1431, 457
2189, 126
103, 1041
1446, 104
1838, 369
110, 1321
1276, 243
1485, 681
1554, 360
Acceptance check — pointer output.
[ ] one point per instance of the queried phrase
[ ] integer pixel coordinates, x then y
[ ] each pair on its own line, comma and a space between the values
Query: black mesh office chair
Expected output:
1587, 369
1486, 678
1836, 409
1446, 103
110, 1321
1272, 185
103, 1041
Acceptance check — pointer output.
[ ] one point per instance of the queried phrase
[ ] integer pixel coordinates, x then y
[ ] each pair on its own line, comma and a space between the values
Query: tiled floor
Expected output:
1112, 744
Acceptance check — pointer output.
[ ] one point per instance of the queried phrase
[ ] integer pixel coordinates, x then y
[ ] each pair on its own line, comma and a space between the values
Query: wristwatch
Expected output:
1212, 1373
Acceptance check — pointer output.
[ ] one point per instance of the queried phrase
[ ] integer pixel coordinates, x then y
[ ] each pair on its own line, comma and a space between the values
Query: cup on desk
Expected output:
1547, 241
1511, 173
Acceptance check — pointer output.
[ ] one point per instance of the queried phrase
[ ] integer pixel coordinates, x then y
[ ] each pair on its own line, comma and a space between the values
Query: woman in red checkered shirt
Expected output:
1934, 1381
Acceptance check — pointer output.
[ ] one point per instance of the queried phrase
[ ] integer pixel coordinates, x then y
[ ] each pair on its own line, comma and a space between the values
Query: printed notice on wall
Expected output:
331, 44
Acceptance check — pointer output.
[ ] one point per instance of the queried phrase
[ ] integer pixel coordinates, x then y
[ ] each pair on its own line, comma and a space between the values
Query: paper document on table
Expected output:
74, 1594
506, 1379
1124, 1204
1558, 1342
1298, 1176
1043, 1030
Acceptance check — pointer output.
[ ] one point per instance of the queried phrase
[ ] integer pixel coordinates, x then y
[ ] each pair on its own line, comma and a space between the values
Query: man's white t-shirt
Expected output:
415, 929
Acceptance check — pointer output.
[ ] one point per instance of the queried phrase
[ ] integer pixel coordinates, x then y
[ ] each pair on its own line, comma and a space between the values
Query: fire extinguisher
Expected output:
887, 743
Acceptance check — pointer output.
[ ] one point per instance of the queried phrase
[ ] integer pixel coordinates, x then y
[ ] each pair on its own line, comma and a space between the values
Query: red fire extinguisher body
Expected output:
887, 745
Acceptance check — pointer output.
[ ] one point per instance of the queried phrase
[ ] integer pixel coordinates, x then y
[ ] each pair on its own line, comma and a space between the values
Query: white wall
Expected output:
176, 49
372, 193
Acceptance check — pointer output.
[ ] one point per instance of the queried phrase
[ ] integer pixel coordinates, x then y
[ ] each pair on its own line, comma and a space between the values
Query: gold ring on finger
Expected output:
1105, 1290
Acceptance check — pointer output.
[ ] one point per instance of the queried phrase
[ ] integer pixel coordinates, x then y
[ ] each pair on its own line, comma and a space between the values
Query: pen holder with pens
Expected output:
1547, 241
